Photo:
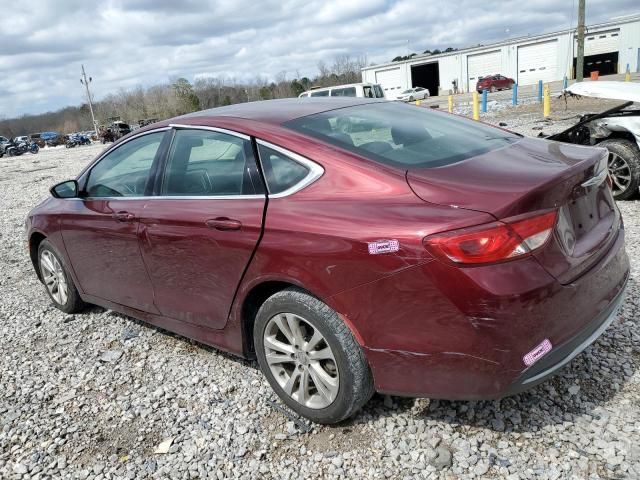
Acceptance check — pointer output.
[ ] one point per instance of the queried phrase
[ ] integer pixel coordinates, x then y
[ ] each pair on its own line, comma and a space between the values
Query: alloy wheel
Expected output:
301, 360
620, 173
53, 276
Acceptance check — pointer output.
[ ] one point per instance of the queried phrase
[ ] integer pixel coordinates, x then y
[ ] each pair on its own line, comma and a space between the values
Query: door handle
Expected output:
223, 223
124, 216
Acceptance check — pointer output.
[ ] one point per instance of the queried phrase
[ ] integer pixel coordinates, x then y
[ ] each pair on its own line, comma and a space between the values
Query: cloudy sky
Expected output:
126, 43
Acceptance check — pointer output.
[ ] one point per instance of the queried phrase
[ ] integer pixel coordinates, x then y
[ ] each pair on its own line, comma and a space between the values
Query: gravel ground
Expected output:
100, 395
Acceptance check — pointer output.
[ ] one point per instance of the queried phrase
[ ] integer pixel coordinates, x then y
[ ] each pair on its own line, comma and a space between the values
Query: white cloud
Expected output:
126, 43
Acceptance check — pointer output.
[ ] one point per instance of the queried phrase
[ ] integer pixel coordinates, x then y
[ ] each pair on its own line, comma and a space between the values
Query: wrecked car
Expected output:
425, 255
617, 129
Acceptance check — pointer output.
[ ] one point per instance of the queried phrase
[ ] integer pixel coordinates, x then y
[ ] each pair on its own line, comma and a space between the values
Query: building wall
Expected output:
454, 65
629, 46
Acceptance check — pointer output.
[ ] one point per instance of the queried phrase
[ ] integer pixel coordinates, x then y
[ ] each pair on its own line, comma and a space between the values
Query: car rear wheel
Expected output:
624, 167
57, 281
310, 358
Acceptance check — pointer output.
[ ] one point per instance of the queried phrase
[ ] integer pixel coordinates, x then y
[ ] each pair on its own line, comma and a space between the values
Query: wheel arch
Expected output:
259, 293
619, 135
35, 239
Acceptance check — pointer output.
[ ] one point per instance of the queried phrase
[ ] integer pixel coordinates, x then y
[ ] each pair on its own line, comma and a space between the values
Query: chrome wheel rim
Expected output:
301, 360
53, 277
620, 173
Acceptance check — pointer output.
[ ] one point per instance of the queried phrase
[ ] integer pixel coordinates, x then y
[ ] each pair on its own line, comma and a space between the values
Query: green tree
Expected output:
265, 93
296, 87
185, 94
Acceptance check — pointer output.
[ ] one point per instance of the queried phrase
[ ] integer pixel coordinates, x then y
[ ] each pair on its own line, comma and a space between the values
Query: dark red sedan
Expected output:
349, 245
493, 83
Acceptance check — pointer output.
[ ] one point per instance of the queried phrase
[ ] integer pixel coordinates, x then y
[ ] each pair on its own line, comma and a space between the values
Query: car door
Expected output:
100, 230
199, 234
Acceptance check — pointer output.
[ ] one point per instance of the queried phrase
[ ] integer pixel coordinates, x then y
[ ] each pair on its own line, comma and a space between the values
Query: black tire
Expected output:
492, 89
355, 379
73, 303
630, 153
411, 99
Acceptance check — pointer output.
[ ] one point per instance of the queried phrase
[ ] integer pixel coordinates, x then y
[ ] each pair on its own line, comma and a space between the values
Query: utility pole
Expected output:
86, 83
580, 54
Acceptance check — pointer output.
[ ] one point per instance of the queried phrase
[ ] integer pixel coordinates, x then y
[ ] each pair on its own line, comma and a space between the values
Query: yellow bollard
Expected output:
627, 76
450, 103
546, 102
418, 102
476, 106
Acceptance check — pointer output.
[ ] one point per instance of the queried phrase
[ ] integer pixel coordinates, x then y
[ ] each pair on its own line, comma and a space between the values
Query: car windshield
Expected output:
407, 91
403, 136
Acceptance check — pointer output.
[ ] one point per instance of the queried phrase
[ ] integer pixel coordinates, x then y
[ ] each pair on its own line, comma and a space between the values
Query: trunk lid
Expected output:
528, 176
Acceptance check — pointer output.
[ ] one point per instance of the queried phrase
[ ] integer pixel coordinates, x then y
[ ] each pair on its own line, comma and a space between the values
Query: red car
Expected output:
422, 254
494, 83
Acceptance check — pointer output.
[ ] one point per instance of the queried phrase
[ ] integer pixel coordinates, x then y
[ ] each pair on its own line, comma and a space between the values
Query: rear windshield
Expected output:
403, 136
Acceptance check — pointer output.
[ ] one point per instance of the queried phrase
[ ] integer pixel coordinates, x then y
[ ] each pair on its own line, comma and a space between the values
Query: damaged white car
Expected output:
616, 129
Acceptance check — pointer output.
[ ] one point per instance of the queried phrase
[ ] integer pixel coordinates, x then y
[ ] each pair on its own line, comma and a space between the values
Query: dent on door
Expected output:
101, 239
196, 252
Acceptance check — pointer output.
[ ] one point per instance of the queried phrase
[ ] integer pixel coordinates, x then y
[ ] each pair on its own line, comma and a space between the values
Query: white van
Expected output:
363, 90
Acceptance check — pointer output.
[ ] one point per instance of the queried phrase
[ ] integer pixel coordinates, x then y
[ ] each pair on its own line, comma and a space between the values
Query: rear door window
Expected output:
208, 163
321, 93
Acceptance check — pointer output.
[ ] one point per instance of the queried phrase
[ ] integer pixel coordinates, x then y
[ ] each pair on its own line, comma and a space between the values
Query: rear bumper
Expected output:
561, 355
461, 334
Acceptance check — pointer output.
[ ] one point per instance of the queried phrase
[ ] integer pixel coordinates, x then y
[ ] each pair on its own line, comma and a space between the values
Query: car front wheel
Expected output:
310, 358
57, 281
624, 167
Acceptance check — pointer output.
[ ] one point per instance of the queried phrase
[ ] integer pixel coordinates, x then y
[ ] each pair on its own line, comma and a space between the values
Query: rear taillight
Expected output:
493, 242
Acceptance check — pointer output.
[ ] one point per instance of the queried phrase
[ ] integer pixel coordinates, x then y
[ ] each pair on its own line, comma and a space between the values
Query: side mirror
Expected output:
68, 189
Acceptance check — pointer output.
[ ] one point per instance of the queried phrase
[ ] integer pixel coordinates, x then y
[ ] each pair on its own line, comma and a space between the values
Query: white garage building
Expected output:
609, 48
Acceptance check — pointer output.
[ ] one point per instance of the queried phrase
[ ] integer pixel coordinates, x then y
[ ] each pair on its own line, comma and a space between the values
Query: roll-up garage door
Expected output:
538, 61
600, 42
483, 64
391, 81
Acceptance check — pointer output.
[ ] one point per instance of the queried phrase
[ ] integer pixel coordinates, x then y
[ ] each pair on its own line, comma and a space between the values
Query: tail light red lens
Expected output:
493, 242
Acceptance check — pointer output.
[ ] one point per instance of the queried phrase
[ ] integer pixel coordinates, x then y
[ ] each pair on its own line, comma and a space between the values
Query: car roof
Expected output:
279, 111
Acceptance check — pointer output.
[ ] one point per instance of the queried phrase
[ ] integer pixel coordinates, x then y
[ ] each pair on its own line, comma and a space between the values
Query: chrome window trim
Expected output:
177, 197
212, 129
181, 197
315, 170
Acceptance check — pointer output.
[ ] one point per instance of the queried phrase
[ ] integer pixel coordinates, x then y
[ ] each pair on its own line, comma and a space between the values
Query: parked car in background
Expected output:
362, 90
616, 129
120, 128
22, 138
493, 83
425, 254
52, 139
411, 94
